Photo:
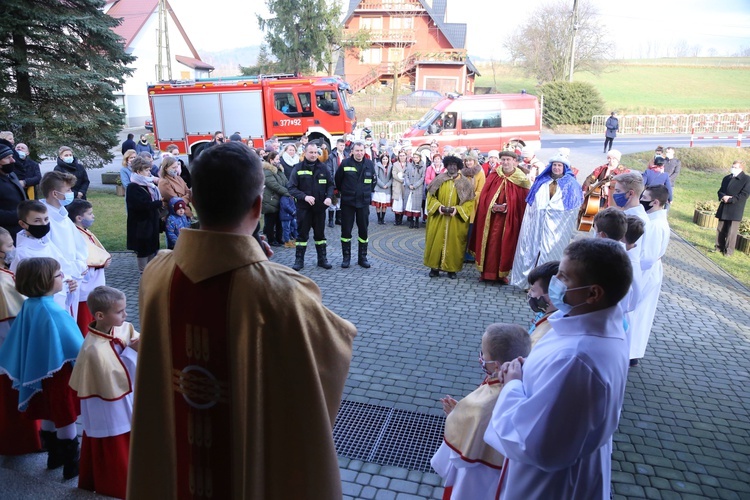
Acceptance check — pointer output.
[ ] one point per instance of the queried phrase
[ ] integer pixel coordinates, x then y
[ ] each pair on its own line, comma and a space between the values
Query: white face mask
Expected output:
735, 170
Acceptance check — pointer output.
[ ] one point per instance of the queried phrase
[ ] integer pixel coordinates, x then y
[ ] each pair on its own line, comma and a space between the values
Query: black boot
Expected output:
399, 220
299, 258
337, 218
410, 220
381, 217
52, 445
322, 258
330, 218
362, 260
346, 253
70, 454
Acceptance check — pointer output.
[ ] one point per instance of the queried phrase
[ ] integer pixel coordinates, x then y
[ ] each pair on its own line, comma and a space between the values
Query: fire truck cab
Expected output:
258, 107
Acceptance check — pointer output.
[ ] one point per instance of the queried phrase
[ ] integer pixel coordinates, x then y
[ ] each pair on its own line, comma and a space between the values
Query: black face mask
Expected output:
538, 304
646, 205
38, 231
7, 168
144, 141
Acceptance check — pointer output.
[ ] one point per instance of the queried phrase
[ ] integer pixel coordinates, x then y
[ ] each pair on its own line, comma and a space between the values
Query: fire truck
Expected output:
188, 113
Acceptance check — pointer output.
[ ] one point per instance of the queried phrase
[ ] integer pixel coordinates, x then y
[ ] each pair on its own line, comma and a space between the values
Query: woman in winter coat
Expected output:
172, 185
67, 163
143, 202
275, 188
414, 190
397, 192
655, 175
289, 158
27, 170
144, 145
381, 198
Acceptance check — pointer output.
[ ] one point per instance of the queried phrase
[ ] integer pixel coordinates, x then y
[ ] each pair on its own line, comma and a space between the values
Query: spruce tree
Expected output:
60, 63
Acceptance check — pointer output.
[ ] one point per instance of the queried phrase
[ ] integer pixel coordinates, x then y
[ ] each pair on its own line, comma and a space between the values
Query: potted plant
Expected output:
705, 213
119, 189
743, 237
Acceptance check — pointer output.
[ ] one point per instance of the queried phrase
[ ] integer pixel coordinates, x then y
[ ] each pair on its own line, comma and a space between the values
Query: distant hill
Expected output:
227, 62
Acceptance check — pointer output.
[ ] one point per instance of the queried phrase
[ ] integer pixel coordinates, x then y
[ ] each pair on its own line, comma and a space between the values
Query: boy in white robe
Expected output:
58, 193
103, 378
557, 412
470, 468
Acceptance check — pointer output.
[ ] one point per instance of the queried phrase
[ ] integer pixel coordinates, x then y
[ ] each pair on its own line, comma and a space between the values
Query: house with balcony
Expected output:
410, 41
139, 29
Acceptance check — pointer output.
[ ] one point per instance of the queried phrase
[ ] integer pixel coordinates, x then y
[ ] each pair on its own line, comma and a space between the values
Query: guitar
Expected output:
591, 205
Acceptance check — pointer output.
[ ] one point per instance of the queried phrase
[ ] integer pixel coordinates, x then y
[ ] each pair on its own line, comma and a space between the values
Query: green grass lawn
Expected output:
111, 219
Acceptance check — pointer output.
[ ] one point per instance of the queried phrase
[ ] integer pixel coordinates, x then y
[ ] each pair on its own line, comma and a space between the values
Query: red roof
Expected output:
135, 13
191, 62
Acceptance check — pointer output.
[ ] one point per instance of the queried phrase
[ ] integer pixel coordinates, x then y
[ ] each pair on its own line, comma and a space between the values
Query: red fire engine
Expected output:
259, 107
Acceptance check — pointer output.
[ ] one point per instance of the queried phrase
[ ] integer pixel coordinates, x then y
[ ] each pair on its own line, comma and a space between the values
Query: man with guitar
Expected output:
601, 183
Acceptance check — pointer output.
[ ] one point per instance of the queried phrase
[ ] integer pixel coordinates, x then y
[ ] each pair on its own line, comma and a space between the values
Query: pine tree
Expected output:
298, 33
60, 64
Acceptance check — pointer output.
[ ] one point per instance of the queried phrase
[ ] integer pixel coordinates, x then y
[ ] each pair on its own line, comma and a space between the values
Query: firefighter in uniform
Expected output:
355, 180
310, 183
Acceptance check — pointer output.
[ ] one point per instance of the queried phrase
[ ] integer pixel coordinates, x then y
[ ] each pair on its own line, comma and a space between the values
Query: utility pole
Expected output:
573, 40
163, 43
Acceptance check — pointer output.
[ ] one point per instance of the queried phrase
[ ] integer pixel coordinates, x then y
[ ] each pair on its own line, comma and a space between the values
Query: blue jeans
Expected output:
289, 230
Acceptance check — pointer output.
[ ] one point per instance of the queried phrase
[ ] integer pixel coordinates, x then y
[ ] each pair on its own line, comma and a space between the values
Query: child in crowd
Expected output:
103, 378
57, 192
472, 469
35, 241
176, 220
38, 355
18, 434
538, 299
288, 216
81, 212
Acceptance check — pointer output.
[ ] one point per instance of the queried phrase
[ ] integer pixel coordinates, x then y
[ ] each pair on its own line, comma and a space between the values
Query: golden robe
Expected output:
446, 235
240, 375
10, 300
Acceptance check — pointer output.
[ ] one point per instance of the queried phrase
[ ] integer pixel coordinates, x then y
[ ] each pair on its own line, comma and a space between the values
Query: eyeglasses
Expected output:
59, 275
485, 363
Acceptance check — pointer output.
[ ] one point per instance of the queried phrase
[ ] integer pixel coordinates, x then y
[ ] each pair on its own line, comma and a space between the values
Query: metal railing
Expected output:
706, 123
391, 129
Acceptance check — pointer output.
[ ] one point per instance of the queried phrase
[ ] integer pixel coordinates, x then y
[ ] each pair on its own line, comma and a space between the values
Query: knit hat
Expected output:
5, 151
614, 154
559, 158
527, 152
180, 204
494, 153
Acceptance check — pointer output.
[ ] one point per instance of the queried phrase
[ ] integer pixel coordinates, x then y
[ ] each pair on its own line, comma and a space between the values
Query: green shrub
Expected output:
570, 103
744, 227
707, 206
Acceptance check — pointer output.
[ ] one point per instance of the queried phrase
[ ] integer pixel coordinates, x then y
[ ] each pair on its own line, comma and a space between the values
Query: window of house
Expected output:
370, 23
402, 23
373, 55
480, 119
326, 101
284, 102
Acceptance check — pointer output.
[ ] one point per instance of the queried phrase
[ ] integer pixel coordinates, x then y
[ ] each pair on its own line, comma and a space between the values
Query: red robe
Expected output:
496, 234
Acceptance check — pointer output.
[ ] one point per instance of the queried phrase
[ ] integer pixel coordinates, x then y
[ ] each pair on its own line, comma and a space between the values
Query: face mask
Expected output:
172, 173
646, 205
143, 141
735, 171
538, 304
8, 168
621, 199
68, 199
68, 159
9, 256
557, 291
38, 231
86, 223
21, 154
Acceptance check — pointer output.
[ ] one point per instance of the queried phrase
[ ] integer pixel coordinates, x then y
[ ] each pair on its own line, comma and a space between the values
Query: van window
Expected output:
519, 117
480, 119
326, 101
284, 102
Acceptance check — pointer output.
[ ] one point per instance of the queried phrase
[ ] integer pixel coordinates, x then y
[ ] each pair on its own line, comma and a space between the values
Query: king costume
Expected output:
241, 372
96, 261
555, 426
102, 377
549, 221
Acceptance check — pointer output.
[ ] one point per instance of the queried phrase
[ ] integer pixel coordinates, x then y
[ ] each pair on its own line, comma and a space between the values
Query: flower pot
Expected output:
705, 219
743, 244
120, 190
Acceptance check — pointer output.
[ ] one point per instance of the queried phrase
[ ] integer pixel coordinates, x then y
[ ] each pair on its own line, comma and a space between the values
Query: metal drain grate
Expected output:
387, 436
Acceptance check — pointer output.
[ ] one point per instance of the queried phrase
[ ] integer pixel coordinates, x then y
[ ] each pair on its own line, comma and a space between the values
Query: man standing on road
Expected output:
355, 180
733, 194
613, 125
311, 185
224, 376
672, 166
128, 143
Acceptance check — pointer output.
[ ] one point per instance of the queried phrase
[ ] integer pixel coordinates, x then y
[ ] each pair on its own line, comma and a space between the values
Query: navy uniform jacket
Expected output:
356, 182
310, 179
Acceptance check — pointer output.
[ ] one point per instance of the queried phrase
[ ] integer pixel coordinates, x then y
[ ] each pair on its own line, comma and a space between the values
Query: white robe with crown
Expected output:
555, 426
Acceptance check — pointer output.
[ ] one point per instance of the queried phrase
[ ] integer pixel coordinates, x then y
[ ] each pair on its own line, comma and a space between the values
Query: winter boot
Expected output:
52, 445
322, 258
411, 222
346, 253
299, 258
330, 218
70, 454
337, 218
380, 218
399, 219
362, 260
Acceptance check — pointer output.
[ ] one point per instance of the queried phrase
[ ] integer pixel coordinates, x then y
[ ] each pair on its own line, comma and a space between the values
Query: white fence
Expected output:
391, 129
709, 123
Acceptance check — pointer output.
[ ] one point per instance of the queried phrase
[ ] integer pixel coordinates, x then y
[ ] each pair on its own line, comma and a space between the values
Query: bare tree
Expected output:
681, 48
712, 52
495, 65
695, 50
542, 45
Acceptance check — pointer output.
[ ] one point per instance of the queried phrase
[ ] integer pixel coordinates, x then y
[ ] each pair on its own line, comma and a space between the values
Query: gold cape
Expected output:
99, 371
98, 256
465, 425
11, 301
287, 357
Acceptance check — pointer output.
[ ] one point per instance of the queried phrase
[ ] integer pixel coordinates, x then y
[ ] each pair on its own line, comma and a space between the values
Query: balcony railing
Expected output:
390, 5
393, 36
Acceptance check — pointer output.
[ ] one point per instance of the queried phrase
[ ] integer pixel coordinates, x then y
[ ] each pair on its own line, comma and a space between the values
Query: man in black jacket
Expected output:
312, 186
355, 180
129, 143
11, 192
733, 193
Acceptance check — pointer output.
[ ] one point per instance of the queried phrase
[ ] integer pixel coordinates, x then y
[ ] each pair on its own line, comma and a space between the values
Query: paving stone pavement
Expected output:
684, 430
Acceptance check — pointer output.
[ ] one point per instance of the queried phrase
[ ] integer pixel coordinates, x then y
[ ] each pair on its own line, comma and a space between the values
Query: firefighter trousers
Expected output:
315, 219
348, 216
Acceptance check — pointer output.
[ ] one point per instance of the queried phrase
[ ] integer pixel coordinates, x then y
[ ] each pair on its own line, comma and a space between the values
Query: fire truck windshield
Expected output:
345, 103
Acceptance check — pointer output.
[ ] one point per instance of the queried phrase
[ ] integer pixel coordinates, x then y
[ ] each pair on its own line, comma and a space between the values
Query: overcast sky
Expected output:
723, 25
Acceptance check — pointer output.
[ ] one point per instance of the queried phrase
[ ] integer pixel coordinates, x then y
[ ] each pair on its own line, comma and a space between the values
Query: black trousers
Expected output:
348, 215
315, 219
726, 236
272, 227
608, 141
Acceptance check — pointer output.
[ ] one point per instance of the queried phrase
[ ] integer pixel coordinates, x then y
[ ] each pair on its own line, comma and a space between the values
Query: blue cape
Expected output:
42, 339
572, 192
